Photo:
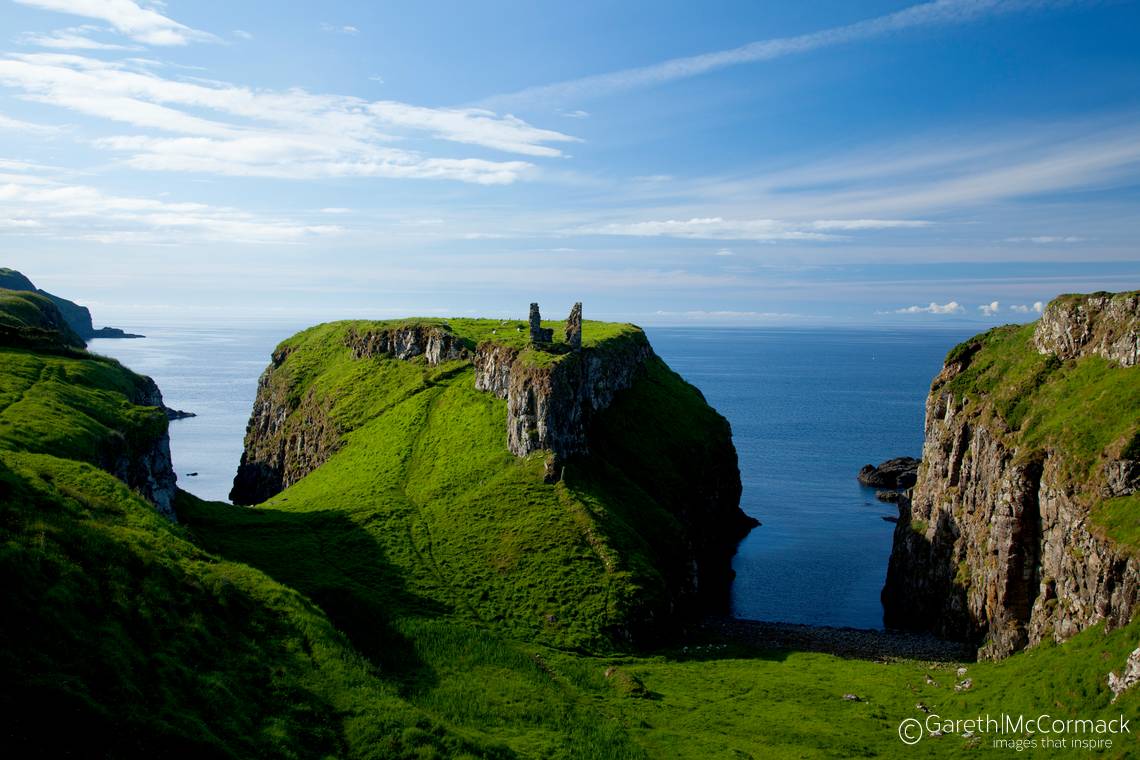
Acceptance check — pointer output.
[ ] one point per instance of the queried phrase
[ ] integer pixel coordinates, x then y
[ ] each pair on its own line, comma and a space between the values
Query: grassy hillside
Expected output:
424, 475
32, 320
319, 626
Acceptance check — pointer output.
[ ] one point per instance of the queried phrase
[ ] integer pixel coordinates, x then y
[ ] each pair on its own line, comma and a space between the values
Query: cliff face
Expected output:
147, 466
996, 545
549, 405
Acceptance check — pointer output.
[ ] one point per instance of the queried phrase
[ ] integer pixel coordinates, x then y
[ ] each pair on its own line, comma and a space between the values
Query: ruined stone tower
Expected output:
574, 327
538, 335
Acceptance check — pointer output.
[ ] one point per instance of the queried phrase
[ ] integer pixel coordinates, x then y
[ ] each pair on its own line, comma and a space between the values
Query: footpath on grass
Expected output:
852, 643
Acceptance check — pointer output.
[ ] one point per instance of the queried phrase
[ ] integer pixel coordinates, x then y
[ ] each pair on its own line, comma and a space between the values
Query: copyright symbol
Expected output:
910, 731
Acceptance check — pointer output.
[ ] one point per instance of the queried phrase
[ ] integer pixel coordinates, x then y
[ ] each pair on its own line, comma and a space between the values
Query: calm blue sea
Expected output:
808, 408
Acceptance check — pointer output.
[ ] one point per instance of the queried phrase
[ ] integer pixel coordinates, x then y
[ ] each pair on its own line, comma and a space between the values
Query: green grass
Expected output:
1088, 410
423, 594
30, 319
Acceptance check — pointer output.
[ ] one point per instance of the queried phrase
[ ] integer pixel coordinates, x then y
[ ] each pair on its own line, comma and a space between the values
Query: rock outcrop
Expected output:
145, 465
549, 404
436, 344
1100, 324
995, 546
900, 472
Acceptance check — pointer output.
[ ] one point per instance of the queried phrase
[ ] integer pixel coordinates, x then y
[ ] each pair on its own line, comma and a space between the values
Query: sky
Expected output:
811, 163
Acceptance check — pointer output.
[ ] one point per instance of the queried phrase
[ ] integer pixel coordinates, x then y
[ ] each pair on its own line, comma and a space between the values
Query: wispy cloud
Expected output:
719, 228
990, 309
39, 205
936, 13
1046, 239
1026, 309
16, 125
226, 129
950, 307
144, 25
339, 28
73, 38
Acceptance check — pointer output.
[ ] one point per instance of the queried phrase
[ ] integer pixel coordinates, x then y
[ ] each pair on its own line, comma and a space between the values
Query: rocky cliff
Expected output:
1030, 451
550, 404
550, 399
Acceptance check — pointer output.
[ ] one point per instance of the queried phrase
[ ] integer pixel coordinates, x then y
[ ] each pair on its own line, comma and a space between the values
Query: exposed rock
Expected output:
549, 405
146, 466
539, 335
436, 344
1101, 324
493, 363
1128, 678
177, 414
1121, 478
995, 546
574, 327
282, 447
891, 497
900, 472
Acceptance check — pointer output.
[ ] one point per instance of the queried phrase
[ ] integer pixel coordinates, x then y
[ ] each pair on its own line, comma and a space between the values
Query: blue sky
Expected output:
810, 162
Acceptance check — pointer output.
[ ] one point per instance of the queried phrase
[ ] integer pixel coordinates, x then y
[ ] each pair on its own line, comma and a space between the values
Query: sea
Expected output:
808, 408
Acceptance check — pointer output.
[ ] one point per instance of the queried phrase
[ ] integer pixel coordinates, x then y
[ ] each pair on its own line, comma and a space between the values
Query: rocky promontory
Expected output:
617, 443
1029, 464
78, 317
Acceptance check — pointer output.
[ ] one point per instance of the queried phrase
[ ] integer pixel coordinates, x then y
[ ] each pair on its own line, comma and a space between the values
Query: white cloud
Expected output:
937, 12
1024, 309
1046, 239
725, 252
720, 228
16, 125
230, 130
144, 25
81, 212
75, 38
990, 309
868, 224
339, 29
950, 307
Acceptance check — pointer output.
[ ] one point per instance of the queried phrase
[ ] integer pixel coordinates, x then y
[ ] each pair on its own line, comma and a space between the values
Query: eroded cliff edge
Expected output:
616, 442
1021, 525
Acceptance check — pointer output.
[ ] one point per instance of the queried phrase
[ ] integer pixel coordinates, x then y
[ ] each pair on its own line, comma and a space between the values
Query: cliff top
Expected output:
33, 320
1066, 383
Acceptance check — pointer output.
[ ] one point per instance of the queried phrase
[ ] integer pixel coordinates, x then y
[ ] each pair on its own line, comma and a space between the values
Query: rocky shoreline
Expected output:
850, 643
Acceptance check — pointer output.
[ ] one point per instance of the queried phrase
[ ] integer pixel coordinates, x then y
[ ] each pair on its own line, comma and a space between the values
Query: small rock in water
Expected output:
191, 474
901, 472
890, 518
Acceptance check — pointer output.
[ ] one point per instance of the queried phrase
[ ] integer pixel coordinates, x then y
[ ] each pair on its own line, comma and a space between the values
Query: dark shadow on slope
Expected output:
333, 561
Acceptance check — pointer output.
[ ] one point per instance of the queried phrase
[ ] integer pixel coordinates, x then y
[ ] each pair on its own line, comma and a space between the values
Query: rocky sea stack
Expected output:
1021, 526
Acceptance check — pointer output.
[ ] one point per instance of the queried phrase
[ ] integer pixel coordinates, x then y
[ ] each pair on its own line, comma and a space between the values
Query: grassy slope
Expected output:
121, 630
470, 530
118, 629
1089, 409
